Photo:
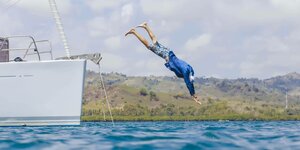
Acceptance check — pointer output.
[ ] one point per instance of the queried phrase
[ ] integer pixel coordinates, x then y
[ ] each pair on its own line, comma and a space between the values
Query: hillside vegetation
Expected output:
166, 98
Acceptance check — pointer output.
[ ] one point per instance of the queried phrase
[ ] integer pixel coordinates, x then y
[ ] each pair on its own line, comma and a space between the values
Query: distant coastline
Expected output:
166, 99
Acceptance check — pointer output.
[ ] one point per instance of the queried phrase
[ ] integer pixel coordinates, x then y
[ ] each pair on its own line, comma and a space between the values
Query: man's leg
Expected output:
142, 39
150, 33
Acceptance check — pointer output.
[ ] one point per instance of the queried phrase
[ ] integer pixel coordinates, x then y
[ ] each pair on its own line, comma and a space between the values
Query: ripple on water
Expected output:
156, 135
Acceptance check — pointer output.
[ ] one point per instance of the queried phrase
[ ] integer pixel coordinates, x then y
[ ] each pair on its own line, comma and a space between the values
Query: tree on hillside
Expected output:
143, 92
153, 96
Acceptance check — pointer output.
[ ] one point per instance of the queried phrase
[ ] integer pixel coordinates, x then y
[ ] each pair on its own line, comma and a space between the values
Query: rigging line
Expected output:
6, 2
10, 6
102, 102
106, 98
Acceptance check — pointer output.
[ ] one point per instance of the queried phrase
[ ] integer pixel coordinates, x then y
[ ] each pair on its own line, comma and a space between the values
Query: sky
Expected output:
219, 38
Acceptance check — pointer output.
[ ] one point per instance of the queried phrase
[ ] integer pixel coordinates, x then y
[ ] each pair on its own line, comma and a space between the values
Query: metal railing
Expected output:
39, 52
31, 47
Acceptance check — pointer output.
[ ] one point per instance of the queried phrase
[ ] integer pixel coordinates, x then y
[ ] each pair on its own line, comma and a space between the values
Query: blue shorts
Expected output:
159, 50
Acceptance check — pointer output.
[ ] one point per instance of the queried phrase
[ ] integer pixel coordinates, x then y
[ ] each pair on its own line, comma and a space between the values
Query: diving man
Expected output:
179, 67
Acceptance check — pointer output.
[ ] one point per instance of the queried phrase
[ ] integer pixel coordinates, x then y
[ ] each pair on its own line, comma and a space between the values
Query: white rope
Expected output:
13, 4
106, 98
59, 26
102, 102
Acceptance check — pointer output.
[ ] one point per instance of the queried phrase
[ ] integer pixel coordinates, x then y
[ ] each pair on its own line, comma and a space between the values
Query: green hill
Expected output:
167, 98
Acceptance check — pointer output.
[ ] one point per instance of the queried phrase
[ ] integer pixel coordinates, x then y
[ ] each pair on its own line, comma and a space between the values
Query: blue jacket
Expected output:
182, 70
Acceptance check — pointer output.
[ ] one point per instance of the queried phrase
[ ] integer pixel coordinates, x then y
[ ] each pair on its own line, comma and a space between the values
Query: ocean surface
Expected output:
156, 135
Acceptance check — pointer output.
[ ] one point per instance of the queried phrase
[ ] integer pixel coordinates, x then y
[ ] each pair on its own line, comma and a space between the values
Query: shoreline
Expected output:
190, 118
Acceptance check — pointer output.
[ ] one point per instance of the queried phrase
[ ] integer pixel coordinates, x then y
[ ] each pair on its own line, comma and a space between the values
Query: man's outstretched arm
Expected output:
189, 85
191, 88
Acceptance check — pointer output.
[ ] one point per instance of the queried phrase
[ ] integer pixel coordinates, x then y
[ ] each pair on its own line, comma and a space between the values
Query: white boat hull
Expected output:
41, 93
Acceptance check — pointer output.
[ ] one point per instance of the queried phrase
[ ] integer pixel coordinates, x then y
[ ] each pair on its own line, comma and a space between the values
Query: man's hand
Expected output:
196, 99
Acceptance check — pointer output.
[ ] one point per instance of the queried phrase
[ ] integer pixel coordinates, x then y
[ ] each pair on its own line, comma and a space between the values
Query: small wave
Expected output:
156, 135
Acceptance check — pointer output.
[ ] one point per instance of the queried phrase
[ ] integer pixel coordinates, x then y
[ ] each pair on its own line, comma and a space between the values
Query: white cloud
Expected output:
154, 8
99, 27
269, 64
127, 12
248, 69
100, 5
224, 14
14, 24
256, 12
226, 65
113, 43
42, 7
112, 62
271, 43
140, 49
256, 38
198, 42
269, 54
290, 6
153, 66
165, 41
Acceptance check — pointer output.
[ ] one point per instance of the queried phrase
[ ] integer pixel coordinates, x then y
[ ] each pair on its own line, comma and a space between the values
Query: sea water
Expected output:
156, 135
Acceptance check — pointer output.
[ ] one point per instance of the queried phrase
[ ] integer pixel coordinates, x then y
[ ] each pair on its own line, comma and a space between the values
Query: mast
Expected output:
59, 25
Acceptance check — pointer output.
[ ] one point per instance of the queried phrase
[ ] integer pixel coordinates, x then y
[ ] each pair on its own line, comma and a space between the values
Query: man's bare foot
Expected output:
143, 25
131, 31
